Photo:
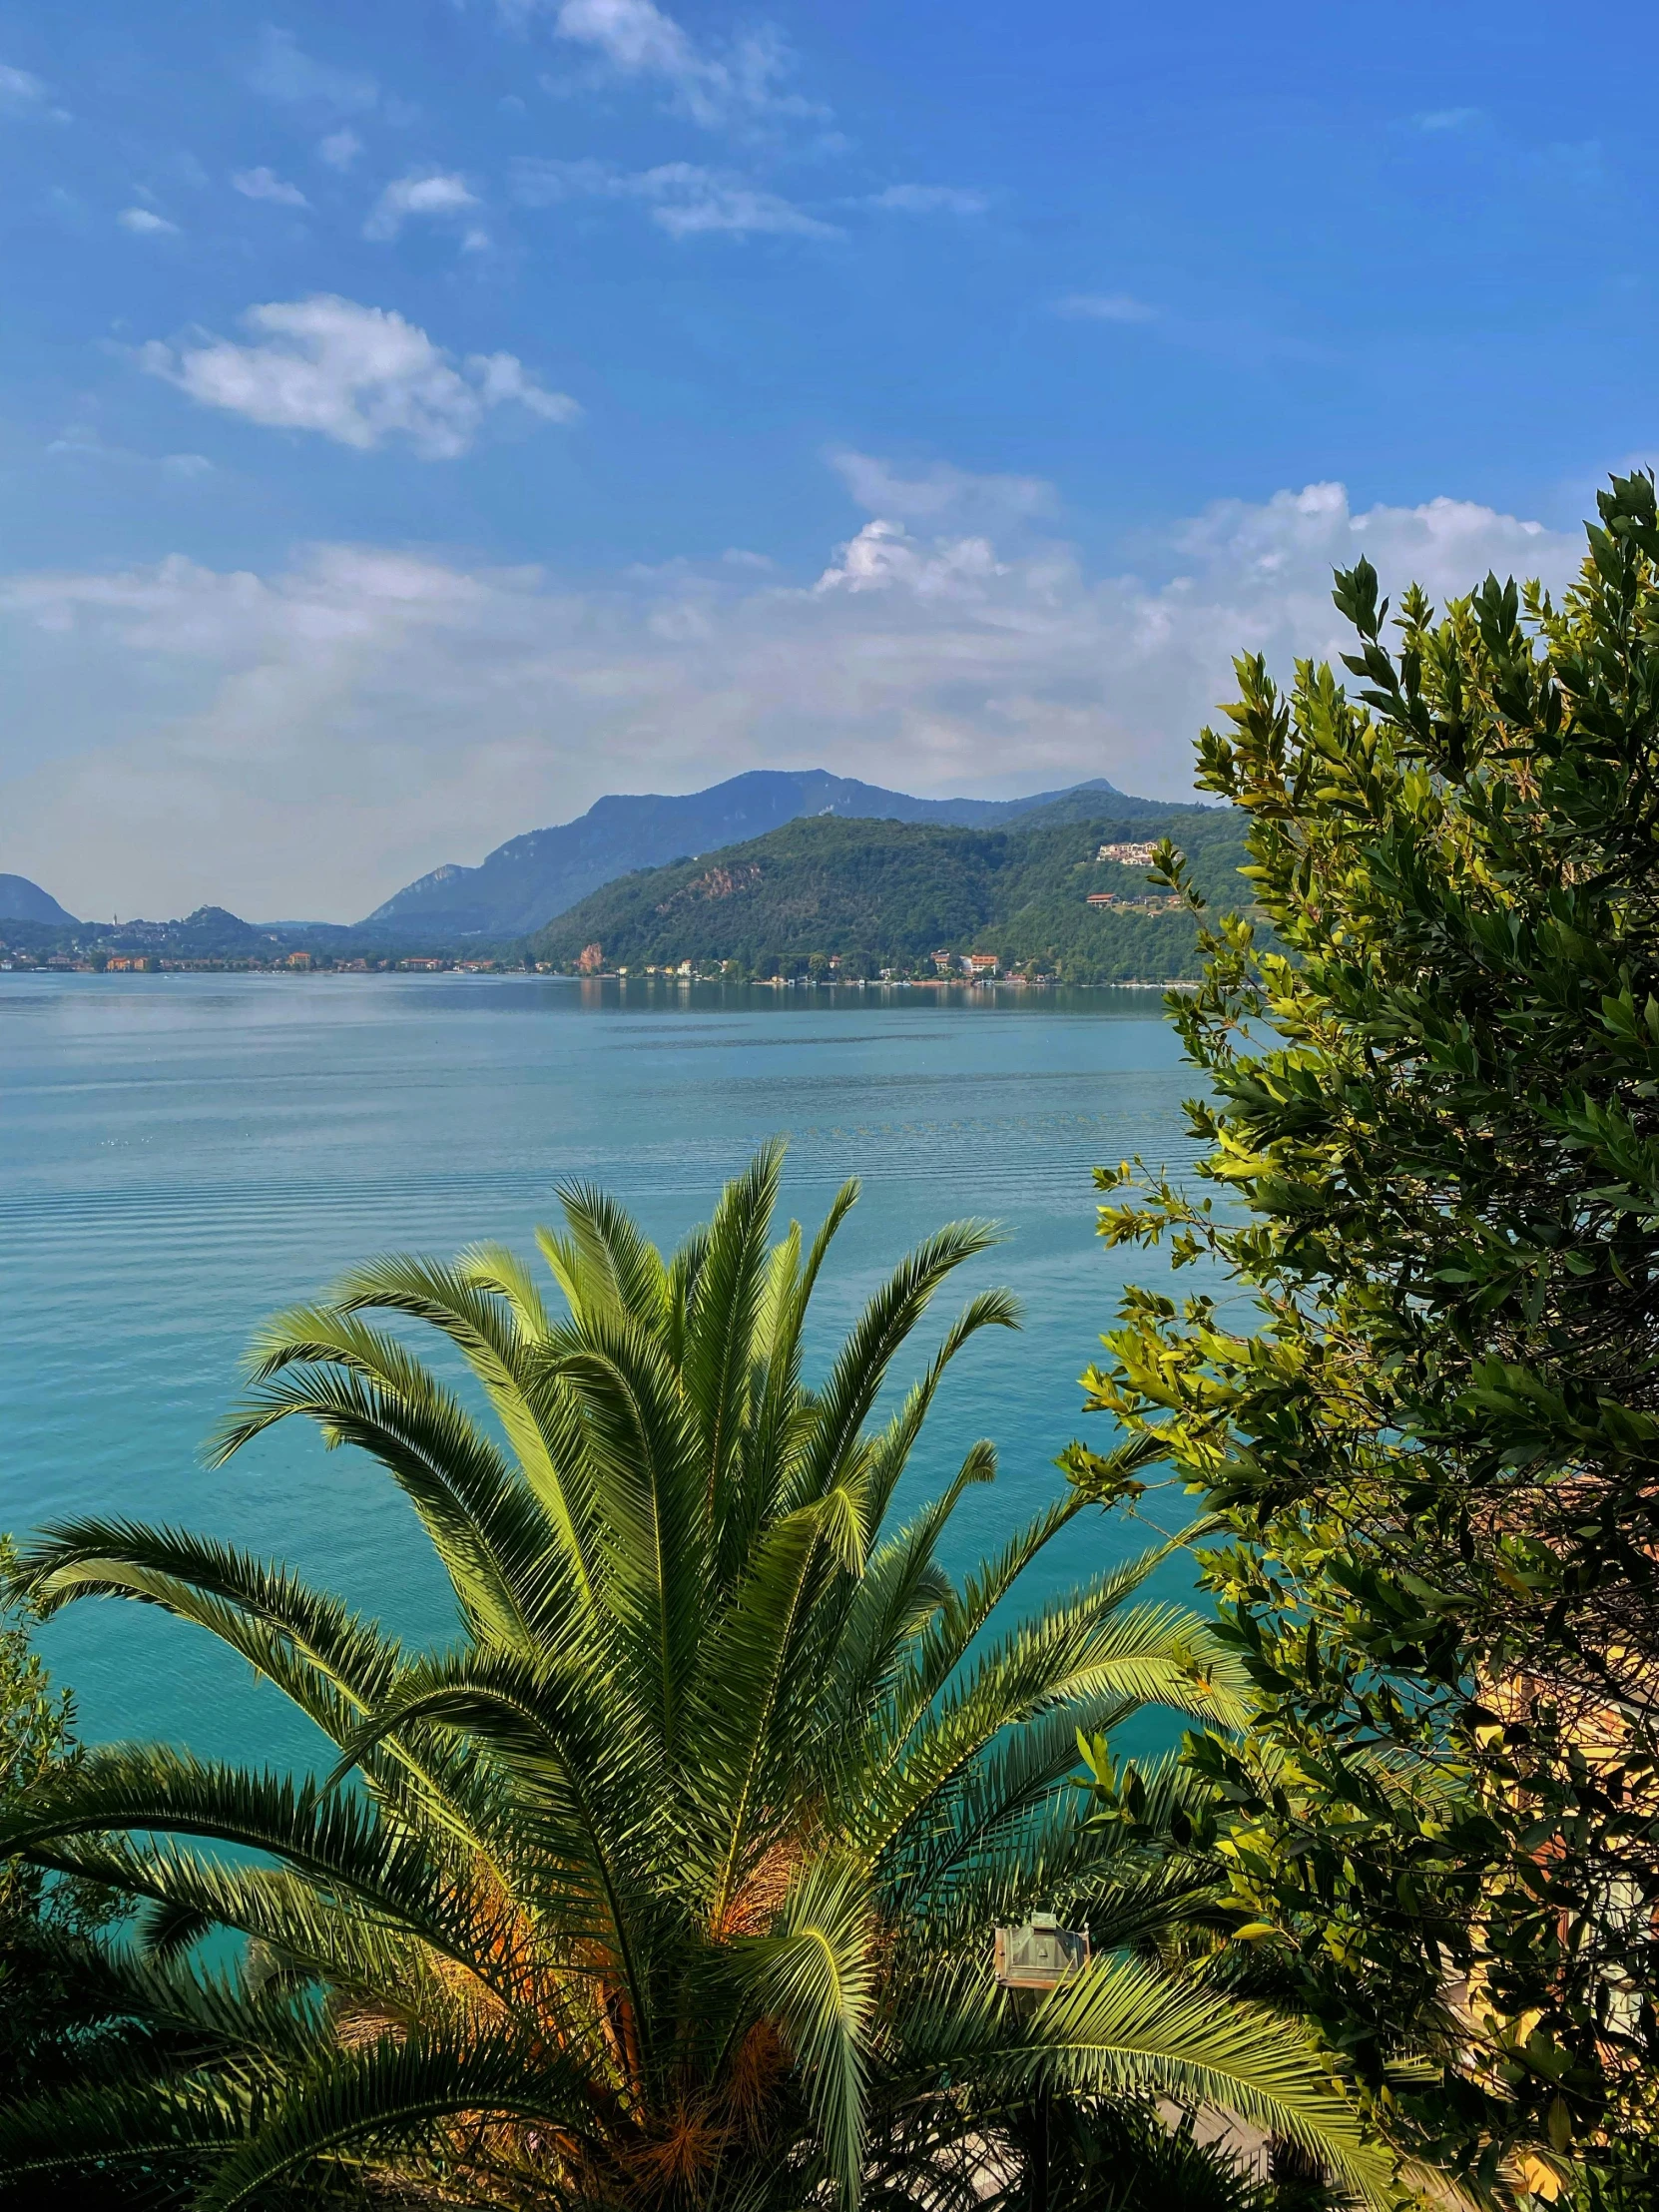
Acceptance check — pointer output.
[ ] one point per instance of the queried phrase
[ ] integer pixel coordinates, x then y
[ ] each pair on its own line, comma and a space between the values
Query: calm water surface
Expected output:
183, 1154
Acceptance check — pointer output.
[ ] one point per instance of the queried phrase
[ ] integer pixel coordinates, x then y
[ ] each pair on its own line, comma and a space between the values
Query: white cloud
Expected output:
357, 375
432, 193
884, 557
282, 72
264, 184
931, 199
20, 90
340, 149
685, 200
1105, 306
689, 202
635, 38
501, 377
145, 222
310, 740
939, 490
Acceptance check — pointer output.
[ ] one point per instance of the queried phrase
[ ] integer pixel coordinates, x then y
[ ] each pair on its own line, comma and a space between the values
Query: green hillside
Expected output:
879, 895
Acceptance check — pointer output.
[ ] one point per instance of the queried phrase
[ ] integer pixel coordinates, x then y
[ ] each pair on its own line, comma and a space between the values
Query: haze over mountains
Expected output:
532, 879
536, 876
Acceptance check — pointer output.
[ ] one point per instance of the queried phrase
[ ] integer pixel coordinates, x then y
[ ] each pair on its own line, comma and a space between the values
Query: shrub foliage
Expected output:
1430, 1410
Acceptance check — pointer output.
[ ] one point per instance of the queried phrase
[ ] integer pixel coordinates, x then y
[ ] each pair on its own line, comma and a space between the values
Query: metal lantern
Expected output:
1039, 1953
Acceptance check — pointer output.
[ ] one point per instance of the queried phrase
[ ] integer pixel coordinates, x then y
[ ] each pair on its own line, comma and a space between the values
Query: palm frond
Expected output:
723, 1314
899, 1590
956, 1626
338, 1940
814, 1974
605, 1269
335, 1841
642, 1445
1122, 2026
995, 1309
486, 1526
498, 1270
1074, 1650
877, 1335
394, 2093
332, 1663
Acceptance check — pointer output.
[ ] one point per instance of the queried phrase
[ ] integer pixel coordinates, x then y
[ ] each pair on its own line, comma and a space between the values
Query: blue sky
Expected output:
418, 418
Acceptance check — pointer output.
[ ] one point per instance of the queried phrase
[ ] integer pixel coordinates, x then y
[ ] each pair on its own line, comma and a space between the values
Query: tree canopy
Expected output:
1428, 1403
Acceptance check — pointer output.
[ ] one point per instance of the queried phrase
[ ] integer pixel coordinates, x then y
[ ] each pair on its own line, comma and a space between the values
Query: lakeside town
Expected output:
946, 967
224, 944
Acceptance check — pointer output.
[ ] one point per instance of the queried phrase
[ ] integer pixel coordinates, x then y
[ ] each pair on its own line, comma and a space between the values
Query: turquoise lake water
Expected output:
179, 1155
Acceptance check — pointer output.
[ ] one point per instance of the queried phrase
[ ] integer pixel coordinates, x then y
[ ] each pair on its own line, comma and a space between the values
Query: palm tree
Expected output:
672, 1883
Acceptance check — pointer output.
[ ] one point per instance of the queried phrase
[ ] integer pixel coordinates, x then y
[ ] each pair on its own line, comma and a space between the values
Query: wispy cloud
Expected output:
1105, 306
145, 222
359, 376
939, 490
283, 73
1447, 119
432, 193
340, 149
80, 442
1240, 340
264, 184
503, 377
929, 200
683, 198
1575, 168
713, 87
21, 91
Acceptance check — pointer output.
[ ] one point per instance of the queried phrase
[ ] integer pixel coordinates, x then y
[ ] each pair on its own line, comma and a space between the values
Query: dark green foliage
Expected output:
68, 2015
1435, 1132
42, 1922
892, 893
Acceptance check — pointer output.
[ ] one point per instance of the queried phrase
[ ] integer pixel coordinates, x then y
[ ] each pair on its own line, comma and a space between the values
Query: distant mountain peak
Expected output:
541, 873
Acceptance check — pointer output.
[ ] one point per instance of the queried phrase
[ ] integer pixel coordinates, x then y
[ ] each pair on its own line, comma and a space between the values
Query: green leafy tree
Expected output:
68, 2009
36, 1736
1431, 1418
672, 1881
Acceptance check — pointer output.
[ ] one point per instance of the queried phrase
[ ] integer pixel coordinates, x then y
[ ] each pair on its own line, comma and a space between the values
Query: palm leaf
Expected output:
395, 2092
816, 1975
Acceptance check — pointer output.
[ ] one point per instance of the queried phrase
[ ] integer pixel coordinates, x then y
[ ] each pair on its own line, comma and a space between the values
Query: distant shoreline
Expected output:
777, 986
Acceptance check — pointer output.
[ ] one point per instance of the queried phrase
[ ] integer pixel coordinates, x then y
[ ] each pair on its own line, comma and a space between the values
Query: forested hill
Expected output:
532, 878
891, 894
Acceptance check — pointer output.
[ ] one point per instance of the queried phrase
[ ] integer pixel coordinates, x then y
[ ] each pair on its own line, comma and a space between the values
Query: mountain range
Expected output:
533, 878
528, 882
